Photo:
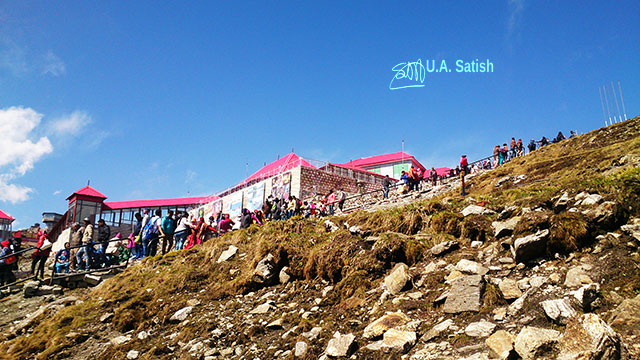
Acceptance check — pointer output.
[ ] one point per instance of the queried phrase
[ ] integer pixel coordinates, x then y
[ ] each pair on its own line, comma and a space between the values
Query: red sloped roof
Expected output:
88, 191
135, 204
442, 171
4, 215
283, 164
383, 159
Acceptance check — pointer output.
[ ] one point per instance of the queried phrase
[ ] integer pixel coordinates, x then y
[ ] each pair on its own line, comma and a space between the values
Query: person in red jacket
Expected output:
464, 164
41, 255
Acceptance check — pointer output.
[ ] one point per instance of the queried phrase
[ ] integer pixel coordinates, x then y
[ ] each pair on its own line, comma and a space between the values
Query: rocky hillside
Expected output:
539, 261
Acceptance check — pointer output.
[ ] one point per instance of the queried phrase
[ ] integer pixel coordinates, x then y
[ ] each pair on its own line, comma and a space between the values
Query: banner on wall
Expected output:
255, 197
234, 207
281, 186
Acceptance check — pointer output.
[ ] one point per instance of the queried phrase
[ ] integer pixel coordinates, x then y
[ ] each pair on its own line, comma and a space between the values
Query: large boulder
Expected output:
384, 323
340, 345
227, 254
444, 247
531, 246
536, 343
481, 328
504, 228
465, 295
626, 317
500, 344
396, 281
589, 337
265, 272
577, 276
181, 314
471, 267
509, 289
558, 310
394, 340
476, 210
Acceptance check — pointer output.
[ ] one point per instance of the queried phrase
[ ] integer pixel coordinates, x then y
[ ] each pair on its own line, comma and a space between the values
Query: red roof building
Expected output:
387, 164
5, 225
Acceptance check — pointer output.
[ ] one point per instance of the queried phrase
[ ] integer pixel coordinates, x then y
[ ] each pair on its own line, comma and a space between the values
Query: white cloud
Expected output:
18, 151
53, 65
12, 57
71, 124
57, 192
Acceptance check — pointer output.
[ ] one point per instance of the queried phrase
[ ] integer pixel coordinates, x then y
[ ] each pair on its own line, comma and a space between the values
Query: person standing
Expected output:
342, 197
104, 234
182, 230
5, 265
513, 148
138, 252
168, 228
43, 249
331, 199
386, 183
75, 241
87, 245
464, 164
150, 234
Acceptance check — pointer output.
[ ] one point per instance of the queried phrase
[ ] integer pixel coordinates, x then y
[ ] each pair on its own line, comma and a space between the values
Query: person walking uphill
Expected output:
464, 164
386, 183
168, 228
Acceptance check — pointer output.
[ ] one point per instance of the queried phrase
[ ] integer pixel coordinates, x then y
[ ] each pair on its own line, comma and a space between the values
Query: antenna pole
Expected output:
604, 116
606, 99
622, 100
616, 98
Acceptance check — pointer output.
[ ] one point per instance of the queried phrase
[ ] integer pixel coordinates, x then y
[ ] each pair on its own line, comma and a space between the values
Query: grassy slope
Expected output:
145, 296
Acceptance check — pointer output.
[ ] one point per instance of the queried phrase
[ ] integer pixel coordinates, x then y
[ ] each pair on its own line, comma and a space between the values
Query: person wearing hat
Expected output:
87, 242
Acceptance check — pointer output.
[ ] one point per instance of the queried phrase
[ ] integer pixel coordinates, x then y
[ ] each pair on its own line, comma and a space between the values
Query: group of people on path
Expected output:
503, 154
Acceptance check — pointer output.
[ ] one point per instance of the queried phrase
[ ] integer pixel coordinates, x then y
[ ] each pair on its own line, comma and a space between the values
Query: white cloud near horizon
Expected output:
53, 65
21, 146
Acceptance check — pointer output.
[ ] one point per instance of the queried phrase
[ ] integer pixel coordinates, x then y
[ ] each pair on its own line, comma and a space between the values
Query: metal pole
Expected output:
616, 98
606, 99
622, 100
602, 103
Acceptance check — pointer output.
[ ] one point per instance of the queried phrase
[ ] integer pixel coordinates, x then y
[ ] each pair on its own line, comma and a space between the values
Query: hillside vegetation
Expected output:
334, 279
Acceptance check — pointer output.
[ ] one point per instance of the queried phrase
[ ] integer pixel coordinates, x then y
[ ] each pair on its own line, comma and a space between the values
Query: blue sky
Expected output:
150, 99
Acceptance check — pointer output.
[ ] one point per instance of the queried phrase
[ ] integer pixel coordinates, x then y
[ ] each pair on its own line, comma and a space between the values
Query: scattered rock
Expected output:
588, 337
181, 314
444, 247
263, 308
143, 335
535, 343
626, 316
500, 344
132, 354
632, 229
480, 329
340, 345
476, 210
577, 276
106, 317
384, 323
395, 340
92, 280
265, 271
504, 228
398, 279
228, 254
471, 267
330, 226
531, 246
558, 310
438, 329
465, 295
284, 276
301, 349
509, 289
586, 295
591, 199
312, 334
562, 202
122, 339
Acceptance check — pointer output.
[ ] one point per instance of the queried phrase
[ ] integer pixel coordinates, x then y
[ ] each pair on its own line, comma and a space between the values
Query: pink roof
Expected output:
357, 169
283, 164
88, 191
136, 204
442, 171
5, 216
383, 159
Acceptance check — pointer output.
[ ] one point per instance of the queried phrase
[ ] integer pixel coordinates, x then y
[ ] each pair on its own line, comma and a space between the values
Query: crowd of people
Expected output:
151, 232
